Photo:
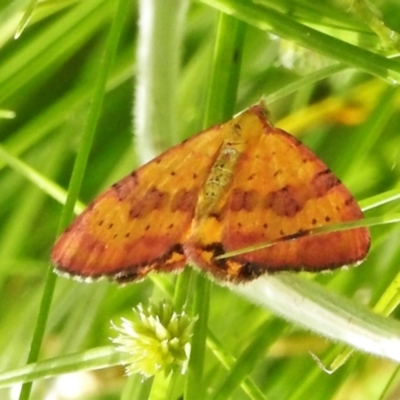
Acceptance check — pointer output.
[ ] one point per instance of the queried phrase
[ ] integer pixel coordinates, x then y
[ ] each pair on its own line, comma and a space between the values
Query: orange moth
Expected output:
231, 186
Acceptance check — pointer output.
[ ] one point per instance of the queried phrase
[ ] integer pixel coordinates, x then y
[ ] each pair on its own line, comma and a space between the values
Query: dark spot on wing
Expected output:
284, 202
250, 271
243, 200
184, 200
126, 186
323, 181
153, 199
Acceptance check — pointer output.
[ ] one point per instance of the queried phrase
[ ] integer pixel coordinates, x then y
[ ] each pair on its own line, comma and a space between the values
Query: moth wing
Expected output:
140, 223
279, 188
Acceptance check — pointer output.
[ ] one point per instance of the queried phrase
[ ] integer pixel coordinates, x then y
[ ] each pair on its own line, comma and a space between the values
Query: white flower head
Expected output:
155, 339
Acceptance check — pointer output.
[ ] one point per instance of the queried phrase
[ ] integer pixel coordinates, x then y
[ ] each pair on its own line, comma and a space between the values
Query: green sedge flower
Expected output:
156, 339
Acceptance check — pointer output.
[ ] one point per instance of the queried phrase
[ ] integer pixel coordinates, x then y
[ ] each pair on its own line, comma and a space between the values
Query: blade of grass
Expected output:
310, 305
26, 17
220, 106
266, 335
48, 186
88, 360
42, 125
52, 47
158, 62
228, 361
285, 26
77, 175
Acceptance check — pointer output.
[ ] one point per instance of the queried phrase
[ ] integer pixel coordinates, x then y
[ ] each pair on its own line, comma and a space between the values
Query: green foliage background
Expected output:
333, 92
